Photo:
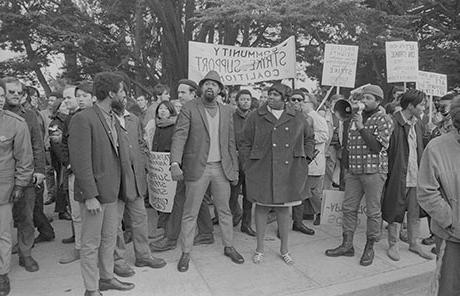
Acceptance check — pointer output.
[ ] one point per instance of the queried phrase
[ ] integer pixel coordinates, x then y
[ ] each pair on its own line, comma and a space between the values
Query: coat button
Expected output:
287, 145
274, 128
274, 145
286, 162
287, 128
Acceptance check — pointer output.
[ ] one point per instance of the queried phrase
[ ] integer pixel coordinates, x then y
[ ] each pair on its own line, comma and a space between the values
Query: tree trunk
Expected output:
32, 58
139, 43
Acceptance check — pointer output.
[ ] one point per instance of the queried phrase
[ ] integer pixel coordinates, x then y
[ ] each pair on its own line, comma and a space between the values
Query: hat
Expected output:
188, 82
283, 90
86, 86
298, 92
214, 76
373, 90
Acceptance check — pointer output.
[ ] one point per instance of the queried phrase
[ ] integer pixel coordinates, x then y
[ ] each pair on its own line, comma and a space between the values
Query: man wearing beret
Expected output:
203, 153
368, 140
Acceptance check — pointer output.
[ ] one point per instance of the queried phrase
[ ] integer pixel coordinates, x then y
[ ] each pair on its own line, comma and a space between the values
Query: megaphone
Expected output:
344, 110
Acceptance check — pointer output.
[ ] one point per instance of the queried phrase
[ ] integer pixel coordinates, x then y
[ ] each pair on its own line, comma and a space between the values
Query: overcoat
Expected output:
276, 154
394, 199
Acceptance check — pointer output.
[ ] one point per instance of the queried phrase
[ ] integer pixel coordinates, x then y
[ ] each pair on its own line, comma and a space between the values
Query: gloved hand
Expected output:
176, 172
17, 194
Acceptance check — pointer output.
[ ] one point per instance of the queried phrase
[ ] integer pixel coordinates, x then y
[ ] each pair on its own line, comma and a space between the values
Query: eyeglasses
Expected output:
297, 100
12, 92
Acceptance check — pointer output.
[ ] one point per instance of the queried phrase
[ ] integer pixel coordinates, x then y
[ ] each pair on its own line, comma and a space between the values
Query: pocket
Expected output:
299, 153
5, 141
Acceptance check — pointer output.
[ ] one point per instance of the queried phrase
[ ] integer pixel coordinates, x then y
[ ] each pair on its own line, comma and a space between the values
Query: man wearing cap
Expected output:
16, 169
203, 153
368, 140
438, 193
186, 91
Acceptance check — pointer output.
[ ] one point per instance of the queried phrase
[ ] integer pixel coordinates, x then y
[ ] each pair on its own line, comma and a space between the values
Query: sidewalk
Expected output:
211, 273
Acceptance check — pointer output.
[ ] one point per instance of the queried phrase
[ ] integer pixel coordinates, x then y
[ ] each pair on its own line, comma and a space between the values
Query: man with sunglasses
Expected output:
24, 208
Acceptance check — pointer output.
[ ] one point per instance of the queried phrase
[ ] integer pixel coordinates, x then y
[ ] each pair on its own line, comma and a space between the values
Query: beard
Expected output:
117, 107
209, 95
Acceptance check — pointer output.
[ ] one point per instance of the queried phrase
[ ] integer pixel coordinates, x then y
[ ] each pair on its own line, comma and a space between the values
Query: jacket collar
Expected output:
289, 113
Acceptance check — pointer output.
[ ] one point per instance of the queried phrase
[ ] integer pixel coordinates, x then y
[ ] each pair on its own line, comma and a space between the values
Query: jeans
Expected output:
23, 215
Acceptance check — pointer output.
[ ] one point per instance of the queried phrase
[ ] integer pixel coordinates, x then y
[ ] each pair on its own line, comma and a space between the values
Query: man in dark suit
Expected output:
203, 146
134, 159
94, 157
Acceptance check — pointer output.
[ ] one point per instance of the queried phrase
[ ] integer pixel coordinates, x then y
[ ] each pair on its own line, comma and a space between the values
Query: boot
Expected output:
345, 249
393, 252
368, 254
393, 241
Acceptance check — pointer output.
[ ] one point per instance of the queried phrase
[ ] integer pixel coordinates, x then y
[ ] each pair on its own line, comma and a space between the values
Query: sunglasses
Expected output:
297, 100
12, 92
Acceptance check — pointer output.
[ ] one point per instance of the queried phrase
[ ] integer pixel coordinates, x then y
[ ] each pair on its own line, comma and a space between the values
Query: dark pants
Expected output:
449, 273
174, 223
62, 191
40, 220
23, 216
312, 204
235, 206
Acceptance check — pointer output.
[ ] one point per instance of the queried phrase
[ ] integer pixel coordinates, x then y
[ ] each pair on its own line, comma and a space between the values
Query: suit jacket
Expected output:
94, 157
191, 141
134, 159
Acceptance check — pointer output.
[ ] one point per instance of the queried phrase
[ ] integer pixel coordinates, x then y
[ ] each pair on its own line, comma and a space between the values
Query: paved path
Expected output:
211, 273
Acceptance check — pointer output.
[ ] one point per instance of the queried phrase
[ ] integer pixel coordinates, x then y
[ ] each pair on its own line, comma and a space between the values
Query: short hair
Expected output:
159, 89
304, 90
412, 96
448, 97
169, 105
243, 92
106, 82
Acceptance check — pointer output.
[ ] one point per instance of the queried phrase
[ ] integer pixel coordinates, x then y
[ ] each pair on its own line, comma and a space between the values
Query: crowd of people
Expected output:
89, 148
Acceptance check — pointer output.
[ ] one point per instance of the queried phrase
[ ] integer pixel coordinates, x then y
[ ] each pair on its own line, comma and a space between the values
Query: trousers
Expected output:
314, 187
413, 220
447, 273
23, 215
75, 212
214, 176
235, 206
40, 220
6, 237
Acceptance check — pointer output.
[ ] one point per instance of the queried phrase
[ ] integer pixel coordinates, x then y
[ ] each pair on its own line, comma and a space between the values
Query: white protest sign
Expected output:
162, 188
331, 209
242, 65
433, 84
402, 61
339, 66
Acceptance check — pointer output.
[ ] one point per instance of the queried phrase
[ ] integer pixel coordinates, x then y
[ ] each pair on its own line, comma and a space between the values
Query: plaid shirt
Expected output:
361, 159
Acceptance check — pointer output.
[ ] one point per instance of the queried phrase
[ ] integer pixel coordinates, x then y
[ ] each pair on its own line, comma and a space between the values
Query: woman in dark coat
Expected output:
276, 147
165, 119
400, 193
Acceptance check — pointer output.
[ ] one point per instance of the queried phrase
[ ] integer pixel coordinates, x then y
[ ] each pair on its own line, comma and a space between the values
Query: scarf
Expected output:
165, 122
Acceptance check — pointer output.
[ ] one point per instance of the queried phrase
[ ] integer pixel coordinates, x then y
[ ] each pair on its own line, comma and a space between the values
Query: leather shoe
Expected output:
150, 262
162, 245
234, 255
203, 239
69, 240
114, 284
41, 238
183, 263
92, 293
248, 230
4, 285
237, 220
302, 228
28, 263
65, 216
123, 270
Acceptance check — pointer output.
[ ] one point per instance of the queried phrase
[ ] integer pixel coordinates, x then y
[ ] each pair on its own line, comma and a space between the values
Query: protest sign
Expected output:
433, 84
331, 209
162, 188
339, 66
242, 65
402, 61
